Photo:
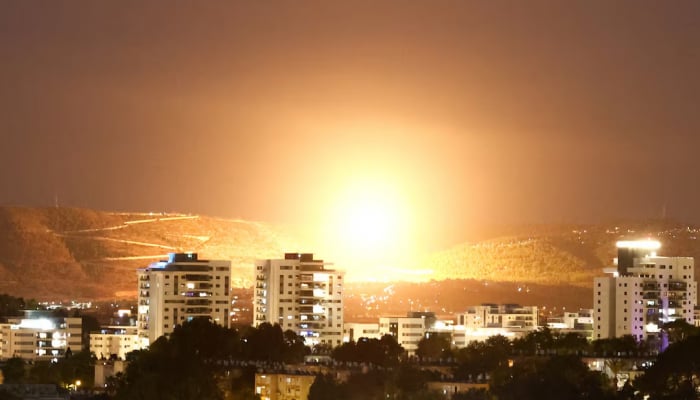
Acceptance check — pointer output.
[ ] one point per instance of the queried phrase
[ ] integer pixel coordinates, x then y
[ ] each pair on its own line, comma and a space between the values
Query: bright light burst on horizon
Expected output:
369, 226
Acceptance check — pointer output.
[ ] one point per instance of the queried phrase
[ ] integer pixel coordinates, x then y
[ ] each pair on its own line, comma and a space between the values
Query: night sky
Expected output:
452, 114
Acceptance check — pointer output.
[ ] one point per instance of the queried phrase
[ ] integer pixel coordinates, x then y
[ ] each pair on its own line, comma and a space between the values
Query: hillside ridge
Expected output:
72, 253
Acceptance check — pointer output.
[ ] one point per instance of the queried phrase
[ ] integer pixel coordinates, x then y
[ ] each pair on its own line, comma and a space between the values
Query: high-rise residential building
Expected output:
643, 292
300, 294
179, 289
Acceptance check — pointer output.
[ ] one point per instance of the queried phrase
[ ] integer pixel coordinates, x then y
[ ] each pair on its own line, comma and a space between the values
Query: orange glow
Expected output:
370, 222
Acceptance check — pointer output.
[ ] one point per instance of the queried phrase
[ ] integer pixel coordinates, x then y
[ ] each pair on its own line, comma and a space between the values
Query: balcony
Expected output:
677, 286
198, 310
197, 277
306, 293
197, 302
651, 286
311, 325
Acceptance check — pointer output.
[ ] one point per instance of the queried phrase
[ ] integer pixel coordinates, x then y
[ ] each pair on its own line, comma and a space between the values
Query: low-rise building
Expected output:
408, 330
283, 386
39, 336
352, 331
513, 317
115, 341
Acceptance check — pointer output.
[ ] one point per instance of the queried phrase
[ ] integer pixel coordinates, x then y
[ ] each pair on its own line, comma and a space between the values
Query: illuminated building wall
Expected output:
283, 386
115, 340
180, 289
355, 330
40, 338
505, 316
301, 295
643, 292
408, 330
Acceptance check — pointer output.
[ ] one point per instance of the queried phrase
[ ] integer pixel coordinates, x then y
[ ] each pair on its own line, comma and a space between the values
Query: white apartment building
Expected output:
408, 330
300, 294
39, 336
352, 331
179, 289
512, 317
643, 292
115, 340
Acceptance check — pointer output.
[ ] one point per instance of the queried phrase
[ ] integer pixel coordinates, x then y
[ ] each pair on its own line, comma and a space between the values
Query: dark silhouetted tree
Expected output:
434, 348
14, 370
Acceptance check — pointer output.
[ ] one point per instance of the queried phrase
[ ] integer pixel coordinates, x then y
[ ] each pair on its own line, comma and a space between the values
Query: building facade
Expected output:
643, 292
179, 289
512, 317
408, 330
115, 341
300, 294
283, 386
39, 336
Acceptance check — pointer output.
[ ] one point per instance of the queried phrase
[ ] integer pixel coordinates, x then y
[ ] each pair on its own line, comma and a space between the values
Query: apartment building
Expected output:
40, 336
300, 294
115, 341
408, 330
643, 292
512, 317
179, 289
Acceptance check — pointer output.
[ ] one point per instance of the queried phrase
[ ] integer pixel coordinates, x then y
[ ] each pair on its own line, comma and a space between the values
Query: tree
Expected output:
679, 330
623, 346
545, 378
674, 373
434, 347
265, 343
570, 343
182, 367
14, 370
540, 341
325, 387
384, 352
294, 349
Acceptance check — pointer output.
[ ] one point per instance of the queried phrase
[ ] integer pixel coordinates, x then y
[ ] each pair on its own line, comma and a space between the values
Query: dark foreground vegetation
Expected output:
201, 360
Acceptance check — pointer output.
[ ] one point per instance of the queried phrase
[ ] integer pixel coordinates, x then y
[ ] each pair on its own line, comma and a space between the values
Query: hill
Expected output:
556, 254
67, 253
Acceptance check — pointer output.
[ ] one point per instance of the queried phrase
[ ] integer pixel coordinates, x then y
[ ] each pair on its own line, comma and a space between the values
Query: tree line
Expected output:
202, 360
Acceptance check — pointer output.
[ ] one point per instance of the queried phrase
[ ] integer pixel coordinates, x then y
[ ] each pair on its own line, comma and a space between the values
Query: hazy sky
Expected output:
453, 114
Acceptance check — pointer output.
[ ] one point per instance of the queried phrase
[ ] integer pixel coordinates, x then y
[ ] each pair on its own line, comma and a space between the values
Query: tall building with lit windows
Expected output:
179, 289
300, 294
643, 292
